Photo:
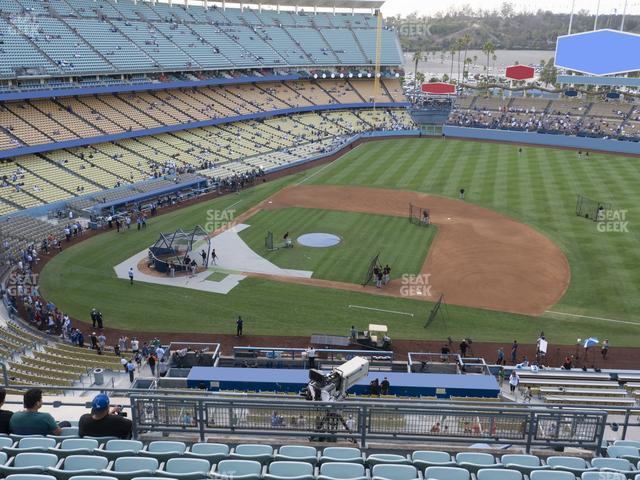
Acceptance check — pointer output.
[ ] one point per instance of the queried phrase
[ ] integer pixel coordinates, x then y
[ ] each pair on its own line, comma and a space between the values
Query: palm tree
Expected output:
417, 56
459, 46
488, 49
466, 41
453, 54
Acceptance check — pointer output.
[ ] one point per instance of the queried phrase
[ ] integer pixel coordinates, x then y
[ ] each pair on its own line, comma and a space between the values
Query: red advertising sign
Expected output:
520, 72
439, 88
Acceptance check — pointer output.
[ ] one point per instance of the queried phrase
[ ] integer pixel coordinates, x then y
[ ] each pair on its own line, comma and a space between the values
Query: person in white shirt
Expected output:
514, 381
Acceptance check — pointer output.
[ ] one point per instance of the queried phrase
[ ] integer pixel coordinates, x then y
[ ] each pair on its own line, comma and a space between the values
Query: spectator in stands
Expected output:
131, 368
384, 386
152, 360
514, 381
463, 347
500, 359
32, 422
444, 353
605, 349
5, 415
104, 420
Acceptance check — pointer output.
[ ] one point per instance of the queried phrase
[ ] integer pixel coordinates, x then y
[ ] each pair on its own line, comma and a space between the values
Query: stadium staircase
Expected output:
359, 44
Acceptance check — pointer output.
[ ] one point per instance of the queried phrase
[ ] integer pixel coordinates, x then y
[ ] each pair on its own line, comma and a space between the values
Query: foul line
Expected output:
381, 310
594, 318
330, 164
232, 205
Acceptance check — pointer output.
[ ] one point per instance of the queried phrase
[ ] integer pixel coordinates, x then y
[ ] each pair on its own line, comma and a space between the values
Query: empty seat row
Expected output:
26, 466
472, 462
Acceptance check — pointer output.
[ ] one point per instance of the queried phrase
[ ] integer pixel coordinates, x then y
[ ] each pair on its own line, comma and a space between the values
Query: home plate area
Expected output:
234, 259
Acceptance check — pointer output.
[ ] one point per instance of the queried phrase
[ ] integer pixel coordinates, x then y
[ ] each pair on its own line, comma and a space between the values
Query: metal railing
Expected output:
298, 353
445, 422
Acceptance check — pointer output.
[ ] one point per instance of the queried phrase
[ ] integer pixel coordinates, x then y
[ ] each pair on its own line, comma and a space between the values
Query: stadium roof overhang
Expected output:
357, 4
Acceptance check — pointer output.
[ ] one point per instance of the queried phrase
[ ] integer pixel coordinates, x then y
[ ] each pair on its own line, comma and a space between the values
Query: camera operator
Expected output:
104, 420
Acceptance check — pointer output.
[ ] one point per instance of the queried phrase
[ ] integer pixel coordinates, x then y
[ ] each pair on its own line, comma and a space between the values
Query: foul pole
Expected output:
376, 75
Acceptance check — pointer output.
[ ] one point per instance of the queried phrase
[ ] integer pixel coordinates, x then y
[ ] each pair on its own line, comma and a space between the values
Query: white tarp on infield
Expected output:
234, 254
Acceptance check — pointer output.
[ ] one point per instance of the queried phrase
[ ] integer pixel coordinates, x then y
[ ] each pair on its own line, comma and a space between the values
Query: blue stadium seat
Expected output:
79, 465
238, 469
341, 454
185, 469
119, 448
342, 471
289, 471
93, 477
25, 476
624, 451
297, 453
599, 476
551, 475
126, 468
523, 463
31, 444
627, 443
6, 442
75, 446
386, 458
68, 432
431, 458
621, 465
575, 465
474, 461
446, 473
212, 452
258, 453
28, 463
395, 472
163, 450
498, 474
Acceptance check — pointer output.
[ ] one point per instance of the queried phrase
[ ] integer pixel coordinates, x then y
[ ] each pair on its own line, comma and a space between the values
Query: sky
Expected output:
429, 7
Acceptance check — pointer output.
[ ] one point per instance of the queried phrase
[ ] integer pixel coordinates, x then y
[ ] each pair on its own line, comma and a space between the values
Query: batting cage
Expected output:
419, 215
373, 264
179, 248
268, 242
591, 209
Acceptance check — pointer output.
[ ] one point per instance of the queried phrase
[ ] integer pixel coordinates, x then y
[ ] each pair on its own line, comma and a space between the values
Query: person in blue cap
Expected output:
104, 420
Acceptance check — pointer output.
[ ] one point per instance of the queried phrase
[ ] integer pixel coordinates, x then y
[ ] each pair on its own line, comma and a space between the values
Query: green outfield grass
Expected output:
400, 244
537, 187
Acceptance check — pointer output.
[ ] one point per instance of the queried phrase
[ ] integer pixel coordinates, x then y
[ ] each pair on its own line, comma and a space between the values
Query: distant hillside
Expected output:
505, 29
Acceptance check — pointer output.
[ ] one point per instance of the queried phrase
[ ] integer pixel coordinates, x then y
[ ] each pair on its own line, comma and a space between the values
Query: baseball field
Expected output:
516, 234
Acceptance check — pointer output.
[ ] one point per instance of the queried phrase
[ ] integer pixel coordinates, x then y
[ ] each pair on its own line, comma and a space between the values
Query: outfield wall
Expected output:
546, 139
